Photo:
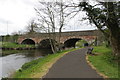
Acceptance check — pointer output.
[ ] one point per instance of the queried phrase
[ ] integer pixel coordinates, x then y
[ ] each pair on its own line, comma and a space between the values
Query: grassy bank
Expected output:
38, 68
11, 48
104, 62
14, 45
7, 52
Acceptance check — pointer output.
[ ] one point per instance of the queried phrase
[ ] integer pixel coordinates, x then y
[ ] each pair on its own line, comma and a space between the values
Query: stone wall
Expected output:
38, 37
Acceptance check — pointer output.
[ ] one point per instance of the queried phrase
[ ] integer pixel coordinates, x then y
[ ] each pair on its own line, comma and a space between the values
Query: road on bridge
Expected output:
73, 65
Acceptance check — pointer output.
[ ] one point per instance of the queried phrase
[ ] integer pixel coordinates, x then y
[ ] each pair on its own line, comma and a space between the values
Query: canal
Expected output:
10, 63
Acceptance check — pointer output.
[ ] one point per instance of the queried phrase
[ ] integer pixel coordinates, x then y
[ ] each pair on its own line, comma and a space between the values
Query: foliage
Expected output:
10, 38
105, 16
104, 61
80, 43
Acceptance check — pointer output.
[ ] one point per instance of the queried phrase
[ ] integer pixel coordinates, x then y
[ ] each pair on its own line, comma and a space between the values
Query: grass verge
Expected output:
38, 68
14, 45
104, 62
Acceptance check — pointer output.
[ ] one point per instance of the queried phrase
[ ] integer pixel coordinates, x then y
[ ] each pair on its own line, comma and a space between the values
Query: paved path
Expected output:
72, 65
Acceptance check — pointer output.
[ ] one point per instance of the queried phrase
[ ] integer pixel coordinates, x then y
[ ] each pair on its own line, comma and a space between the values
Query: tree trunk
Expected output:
115, 43
59, 39
61, 23
52, 46
112, 24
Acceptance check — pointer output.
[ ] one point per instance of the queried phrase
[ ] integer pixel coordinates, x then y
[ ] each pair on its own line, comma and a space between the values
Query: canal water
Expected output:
10, 63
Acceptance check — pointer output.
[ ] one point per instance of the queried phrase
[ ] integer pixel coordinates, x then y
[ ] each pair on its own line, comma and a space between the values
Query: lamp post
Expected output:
7, 27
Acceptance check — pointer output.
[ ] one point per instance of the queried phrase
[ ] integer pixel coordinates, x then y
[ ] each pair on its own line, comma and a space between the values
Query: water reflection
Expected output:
13, 62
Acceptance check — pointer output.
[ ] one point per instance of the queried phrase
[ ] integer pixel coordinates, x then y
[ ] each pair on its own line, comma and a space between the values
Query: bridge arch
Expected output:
45, 43
28, 41
71, 42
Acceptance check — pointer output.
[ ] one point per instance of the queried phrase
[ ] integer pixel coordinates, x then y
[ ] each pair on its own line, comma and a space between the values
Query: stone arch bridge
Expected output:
68, 39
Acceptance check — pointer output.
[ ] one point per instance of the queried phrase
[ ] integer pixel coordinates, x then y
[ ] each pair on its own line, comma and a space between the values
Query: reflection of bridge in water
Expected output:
68, 39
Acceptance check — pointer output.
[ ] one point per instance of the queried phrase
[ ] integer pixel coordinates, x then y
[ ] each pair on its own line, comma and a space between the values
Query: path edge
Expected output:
94, 68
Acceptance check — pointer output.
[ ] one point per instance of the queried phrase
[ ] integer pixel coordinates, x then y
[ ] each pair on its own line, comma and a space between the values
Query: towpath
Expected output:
73, 65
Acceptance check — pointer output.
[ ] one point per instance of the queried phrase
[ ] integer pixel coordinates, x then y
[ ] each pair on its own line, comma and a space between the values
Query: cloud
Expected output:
5, 21
19, 12
30, 2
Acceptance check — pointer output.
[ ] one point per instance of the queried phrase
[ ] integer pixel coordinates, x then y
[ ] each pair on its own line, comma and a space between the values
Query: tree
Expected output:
112, 23
32, 27
105, 15
47, 18
15, 36
106, 20
61, 20
63, 14
54, 15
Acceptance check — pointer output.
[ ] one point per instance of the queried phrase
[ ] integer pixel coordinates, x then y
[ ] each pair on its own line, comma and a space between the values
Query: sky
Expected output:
16, 14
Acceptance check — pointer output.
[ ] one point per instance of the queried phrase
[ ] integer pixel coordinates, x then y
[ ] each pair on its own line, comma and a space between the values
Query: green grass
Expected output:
7, 52
38, 68
104, 62
80, 43
14, 45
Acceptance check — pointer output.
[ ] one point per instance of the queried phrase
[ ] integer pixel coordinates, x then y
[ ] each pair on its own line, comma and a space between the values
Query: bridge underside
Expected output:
71, 42
45, 44
28, 41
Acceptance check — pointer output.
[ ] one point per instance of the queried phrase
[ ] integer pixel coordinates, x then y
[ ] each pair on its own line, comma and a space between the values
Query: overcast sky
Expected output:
15, 15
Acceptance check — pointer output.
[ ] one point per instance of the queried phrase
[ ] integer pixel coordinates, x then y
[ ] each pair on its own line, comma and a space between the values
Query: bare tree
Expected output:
55, 15
32, 27
47, 18
62, 18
